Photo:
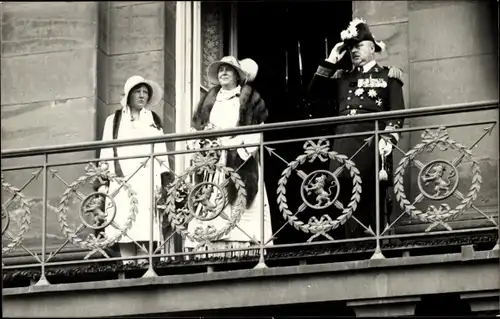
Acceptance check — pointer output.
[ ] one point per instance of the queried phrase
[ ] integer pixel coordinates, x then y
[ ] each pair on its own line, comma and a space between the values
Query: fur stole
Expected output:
252, 111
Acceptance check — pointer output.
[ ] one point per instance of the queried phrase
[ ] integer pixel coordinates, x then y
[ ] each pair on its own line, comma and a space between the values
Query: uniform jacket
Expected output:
354, 92
340, 86
252, 111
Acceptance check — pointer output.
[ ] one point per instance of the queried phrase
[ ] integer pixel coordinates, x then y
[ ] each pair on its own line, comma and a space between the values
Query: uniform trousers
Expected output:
365, 212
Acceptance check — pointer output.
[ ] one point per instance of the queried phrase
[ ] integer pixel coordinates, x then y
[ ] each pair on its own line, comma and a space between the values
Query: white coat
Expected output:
141, 181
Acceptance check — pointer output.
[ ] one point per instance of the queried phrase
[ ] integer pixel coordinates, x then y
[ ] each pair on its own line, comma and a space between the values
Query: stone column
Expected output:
169, 84
136, 38
131, 42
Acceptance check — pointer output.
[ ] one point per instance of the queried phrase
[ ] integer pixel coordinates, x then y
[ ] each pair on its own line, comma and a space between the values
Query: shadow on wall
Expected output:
442, 305
494, 21
303, 311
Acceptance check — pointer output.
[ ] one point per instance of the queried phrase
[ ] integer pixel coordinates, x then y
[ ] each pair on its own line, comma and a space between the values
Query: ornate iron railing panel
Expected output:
91, 207
196, 204
443, 177
319, 185
25, 220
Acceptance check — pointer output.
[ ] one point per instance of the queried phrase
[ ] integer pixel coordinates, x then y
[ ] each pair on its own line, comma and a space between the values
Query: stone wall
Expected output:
63, 69
48, 72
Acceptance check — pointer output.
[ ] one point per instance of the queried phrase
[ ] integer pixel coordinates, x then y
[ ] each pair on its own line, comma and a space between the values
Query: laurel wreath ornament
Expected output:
430, 140
312, 152
25, 217
179, 218
92, 242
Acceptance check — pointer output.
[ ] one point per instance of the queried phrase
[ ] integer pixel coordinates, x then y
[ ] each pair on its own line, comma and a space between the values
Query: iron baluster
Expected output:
43, 279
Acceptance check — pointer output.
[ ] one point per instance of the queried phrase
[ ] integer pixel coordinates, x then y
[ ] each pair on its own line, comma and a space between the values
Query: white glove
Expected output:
395, 135
103, 189
337, 53
384, 148
228, 141
192, 144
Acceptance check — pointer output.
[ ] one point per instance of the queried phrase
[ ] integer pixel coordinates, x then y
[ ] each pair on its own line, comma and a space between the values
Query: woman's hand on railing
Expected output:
103, 189
230, 141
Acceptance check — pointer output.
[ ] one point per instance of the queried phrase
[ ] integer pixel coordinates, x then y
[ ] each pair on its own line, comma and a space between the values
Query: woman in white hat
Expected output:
135, 120
230, 103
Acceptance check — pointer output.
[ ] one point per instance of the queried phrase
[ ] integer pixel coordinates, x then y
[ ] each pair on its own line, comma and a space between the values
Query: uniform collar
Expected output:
368, 66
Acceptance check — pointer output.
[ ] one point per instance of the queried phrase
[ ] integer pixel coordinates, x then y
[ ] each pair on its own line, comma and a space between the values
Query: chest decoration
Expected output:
372, 93
372, 83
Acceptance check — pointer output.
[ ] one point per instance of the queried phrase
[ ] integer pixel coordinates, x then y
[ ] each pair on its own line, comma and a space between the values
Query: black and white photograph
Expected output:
250, 159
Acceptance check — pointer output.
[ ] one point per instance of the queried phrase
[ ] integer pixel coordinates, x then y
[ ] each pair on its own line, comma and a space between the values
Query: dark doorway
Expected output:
269, 33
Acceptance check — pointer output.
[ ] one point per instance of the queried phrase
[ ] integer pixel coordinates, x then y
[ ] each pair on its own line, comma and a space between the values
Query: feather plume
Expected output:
381, 44
250, 67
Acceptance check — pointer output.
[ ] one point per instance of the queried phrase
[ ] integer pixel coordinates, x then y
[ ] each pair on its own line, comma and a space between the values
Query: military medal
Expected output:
372, 93
363, 83
372, 83
359, 92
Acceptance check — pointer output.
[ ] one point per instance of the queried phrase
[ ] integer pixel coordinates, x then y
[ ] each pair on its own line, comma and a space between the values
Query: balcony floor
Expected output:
276, 257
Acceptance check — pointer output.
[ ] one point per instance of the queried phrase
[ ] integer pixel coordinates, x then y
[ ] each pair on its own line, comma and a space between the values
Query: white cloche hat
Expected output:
155, 90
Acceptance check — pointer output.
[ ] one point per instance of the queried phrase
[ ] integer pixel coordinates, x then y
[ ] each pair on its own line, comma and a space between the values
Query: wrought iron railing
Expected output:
199, 195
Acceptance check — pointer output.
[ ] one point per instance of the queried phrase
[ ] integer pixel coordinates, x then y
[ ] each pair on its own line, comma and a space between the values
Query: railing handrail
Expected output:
176, 137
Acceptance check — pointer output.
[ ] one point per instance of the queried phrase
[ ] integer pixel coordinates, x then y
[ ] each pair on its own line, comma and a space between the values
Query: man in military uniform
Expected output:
366, 88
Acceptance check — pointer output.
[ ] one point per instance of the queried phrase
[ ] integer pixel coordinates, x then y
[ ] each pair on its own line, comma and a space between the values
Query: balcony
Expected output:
51, 244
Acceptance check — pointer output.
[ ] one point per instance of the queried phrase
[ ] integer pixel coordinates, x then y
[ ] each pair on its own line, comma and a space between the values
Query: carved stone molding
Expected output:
211, 37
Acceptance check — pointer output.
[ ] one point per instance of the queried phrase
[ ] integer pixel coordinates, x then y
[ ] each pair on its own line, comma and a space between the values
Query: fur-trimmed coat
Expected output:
253, 111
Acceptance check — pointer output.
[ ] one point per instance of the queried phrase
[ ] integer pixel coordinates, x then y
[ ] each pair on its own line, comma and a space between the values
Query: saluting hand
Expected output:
337, 52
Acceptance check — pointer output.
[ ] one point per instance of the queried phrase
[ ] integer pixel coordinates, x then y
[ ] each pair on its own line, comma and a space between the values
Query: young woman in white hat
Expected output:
230, 103
135, 120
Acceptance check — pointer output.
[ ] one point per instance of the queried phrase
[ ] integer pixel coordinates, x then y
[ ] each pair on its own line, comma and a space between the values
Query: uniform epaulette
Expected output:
395, 73
338, 74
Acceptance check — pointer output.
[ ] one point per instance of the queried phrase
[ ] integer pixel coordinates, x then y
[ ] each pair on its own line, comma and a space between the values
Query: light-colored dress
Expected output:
225, 114
141, 181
